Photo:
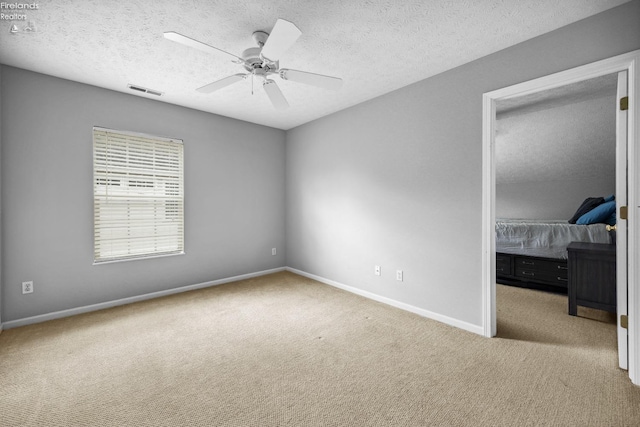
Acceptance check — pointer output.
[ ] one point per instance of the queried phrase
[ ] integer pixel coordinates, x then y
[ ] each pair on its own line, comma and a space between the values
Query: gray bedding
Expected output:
548, 239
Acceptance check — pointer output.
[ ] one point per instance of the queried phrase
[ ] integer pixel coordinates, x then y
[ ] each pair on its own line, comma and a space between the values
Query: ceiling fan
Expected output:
263, 62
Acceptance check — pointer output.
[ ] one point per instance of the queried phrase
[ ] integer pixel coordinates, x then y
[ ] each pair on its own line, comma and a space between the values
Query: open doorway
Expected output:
629, 63
553, 150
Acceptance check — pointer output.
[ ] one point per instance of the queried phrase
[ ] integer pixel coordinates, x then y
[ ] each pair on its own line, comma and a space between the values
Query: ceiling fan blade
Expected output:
325, 82
212, 87
275, 95
188, 41
282, 37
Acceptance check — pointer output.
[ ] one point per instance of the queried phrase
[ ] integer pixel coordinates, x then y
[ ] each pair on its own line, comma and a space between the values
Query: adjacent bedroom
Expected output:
555, 204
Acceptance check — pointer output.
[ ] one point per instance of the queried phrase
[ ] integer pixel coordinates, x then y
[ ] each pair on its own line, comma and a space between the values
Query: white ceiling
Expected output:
376, 46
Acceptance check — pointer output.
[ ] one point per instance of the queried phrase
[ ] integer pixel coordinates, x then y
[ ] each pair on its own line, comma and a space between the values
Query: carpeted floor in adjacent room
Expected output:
284, 350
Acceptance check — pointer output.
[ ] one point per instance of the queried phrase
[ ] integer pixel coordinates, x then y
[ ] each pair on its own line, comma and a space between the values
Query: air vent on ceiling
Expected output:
145, 90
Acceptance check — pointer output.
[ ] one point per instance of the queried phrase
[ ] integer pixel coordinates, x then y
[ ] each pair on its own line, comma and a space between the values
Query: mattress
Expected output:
547, 239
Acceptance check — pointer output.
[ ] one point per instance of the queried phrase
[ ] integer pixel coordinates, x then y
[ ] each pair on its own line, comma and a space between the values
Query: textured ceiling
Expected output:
376, 46
562, 134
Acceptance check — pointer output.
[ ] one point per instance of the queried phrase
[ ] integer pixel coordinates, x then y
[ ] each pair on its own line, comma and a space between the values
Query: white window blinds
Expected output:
138, 195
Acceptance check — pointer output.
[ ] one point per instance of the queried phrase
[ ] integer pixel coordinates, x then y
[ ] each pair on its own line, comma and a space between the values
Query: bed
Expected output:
547, 239
533, 253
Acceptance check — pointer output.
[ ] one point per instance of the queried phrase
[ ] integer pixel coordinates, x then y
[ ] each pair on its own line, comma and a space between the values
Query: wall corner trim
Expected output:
476, 329
100, 306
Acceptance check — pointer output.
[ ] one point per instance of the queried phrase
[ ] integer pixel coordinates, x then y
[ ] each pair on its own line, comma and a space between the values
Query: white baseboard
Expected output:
100, 306
401, 305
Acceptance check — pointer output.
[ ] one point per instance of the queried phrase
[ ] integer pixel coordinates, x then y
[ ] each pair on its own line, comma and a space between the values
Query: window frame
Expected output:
158, 200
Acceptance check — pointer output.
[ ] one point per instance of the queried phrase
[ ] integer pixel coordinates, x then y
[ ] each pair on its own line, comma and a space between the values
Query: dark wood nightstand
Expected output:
592, 276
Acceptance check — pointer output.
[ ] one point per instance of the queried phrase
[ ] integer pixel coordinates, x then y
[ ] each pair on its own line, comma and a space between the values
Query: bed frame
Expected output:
547, 274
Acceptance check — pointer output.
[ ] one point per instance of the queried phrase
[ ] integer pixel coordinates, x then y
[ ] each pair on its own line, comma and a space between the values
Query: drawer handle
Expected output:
499, 269
528, 263
562, 279
560, 267
526, 273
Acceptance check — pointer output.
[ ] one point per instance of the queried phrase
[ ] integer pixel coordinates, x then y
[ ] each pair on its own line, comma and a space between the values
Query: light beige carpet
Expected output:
283, 350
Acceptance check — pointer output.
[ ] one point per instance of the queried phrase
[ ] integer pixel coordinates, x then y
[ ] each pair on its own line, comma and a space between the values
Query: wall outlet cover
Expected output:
27, 287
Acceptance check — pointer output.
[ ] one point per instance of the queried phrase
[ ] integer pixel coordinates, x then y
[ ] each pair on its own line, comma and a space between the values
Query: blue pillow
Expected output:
600, 213
610, 198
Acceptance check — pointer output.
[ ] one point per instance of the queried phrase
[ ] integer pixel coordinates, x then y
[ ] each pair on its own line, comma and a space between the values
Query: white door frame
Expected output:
629, 62
622, 259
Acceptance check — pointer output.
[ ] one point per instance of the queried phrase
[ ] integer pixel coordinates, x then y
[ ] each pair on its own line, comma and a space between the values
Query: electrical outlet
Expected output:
27, 287
273, 251
376, 270
399, 275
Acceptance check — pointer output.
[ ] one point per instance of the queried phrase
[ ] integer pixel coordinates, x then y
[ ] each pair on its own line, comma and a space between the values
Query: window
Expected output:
138, 195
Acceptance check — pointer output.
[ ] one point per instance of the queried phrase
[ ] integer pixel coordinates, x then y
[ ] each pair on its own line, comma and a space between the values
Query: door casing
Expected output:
629, 62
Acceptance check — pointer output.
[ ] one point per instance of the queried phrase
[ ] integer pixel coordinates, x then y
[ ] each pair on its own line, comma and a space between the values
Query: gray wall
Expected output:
549, 199
397, 181
549, 160
234, 195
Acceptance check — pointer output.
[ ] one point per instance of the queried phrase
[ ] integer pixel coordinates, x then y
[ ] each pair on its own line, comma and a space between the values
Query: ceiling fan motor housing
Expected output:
253, 60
